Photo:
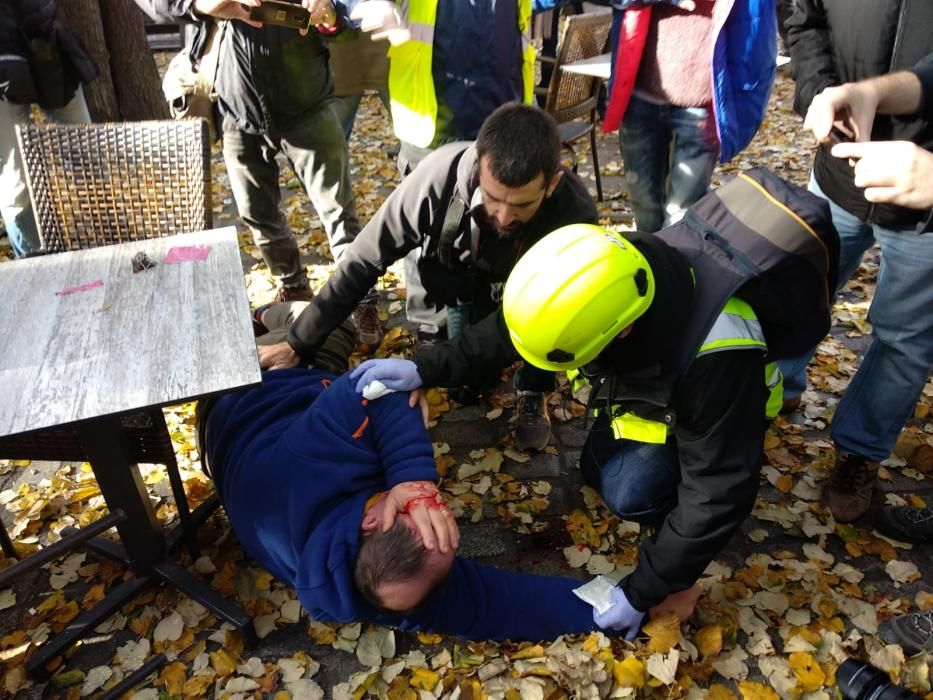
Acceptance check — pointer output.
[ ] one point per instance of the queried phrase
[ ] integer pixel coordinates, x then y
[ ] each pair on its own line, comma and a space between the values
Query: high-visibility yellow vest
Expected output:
411, 83
736, 327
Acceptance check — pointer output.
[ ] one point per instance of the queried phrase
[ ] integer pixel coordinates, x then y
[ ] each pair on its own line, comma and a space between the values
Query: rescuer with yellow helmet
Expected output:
675, 444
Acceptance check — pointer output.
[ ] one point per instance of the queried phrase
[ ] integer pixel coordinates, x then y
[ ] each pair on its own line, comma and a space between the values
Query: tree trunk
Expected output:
136, 80
83, 18
129, 87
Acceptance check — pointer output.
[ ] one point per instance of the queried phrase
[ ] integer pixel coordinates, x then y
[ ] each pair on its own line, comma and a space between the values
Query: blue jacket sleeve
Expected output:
483, 602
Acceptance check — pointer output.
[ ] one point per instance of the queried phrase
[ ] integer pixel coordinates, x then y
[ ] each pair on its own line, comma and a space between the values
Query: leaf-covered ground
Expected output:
790, 597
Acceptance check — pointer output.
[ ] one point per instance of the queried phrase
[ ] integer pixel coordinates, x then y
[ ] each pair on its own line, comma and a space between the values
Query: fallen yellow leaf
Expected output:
709, 640
629, 673
664, 631
809, 675
223, 662
756, 691
428, 638
424, 678
718, 691
173, 677
530, 652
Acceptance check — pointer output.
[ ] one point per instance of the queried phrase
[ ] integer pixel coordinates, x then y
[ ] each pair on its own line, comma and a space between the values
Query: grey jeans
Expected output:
317, 152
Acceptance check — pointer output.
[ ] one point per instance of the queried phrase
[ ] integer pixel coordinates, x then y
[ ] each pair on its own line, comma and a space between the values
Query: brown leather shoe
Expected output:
791, 404
294, 294
850, 488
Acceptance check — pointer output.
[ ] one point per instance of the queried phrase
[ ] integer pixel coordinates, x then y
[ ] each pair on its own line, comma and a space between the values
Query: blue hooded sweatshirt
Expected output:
295, 461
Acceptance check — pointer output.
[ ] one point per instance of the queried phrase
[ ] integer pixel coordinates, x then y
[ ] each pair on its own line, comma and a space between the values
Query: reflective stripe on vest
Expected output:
528, 51
735, 328
412, 98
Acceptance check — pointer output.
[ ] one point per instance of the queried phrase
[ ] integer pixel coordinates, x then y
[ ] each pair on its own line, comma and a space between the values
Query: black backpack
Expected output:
766, 241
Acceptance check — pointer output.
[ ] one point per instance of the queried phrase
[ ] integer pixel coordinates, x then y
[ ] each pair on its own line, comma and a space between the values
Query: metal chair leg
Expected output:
599, 184
6, 543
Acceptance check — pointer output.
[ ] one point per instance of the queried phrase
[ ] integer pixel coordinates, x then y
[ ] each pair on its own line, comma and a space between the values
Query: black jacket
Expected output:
40, 61
268, 79
839, 41
718, 404
410, 218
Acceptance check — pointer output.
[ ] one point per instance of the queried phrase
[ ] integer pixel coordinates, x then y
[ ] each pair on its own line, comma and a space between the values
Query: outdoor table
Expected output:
601, 66
597, 66
84, 339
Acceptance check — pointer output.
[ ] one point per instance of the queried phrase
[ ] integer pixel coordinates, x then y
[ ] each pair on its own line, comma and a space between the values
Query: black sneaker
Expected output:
851, 486
906, 524
913, 632
533, 429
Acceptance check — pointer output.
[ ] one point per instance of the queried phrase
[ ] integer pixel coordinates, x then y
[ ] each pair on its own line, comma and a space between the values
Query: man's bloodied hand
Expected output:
428, 510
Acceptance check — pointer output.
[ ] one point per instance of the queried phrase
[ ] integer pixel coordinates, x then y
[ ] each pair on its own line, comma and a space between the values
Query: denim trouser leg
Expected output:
855, 237
884, 391
15, 207
254, 179
669, 155
638, 482
317, 151
644, 140
695, 153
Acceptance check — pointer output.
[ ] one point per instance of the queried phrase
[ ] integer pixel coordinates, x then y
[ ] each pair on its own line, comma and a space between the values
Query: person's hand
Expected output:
278, 356
850, 108
382, 19
681, 603
419, 398
228, 9
428, 510
398, 375
894, 172
621, 616
321, 11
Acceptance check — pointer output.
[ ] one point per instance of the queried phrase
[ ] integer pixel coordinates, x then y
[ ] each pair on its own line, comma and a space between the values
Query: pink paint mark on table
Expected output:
186, 253
80, 288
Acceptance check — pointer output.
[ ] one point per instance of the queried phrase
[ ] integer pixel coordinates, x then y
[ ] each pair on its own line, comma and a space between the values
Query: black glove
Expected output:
36, 17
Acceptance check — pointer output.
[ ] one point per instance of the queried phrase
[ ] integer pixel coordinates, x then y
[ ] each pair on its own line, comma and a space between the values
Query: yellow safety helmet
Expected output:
573, 292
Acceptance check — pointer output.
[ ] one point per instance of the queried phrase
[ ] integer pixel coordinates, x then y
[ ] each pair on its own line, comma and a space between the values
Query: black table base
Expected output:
165, 571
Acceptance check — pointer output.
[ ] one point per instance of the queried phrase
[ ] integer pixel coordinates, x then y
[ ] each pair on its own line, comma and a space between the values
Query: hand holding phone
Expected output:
281, 14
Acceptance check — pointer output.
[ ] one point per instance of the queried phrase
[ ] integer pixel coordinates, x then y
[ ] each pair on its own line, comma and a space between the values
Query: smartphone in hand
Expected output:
282, 14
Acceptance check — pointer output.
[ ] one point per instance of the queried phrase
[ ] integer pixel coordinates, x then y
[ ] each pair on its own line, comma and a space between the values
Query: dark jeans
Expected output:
317, 152
638, 481
669, 154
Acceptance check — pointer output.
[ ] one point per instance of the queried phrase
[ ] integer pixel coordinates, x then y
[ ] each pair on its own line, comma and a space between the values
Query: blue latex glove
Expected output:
621, 617
398, 375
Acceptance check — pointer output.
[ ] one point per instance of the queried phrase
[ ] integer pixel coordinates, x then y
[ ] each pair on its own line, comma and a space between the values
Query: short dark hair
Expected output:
388, 557
521, 143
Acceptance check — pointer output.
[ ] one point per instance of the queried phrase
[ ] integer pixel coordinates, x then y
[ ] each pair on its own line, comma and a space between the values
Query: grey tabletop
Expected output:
83, 336
596, 66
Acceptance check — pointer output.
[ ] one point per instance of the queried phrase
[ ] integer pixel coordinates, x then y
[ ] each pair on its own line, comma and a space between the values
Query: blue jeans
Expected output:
881, 396
669, 154
15, 207
638, 481
317, 152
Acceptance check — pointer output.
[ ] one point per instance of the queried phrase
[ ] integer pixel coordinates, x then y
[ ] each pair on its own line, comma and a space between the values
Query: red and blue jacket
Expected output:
744, 60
